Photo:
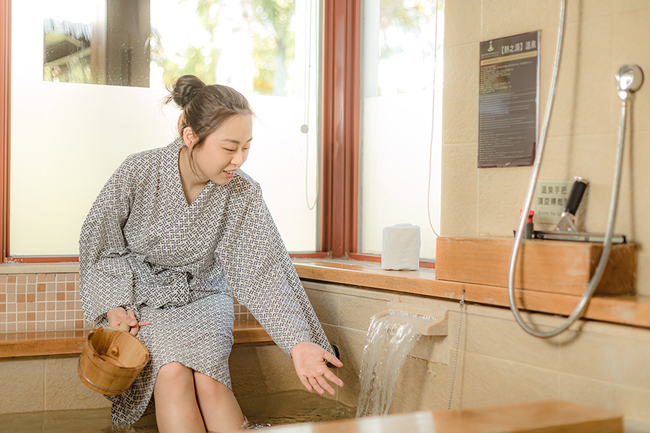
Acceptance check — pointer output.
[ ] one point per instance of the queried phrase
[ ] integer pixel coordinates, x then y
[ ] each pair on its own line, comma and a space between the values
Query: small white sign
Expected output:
551, 197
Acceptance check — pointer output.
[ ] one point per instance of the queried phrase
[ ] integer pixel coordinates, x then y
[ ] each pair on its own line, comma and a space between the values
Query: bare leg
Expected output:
177, 410
218, 405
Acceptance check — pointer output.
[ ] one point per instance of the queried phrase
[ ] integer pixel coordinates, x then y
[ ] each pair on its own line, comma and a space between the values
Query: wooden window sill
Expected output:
44, 343
626, 310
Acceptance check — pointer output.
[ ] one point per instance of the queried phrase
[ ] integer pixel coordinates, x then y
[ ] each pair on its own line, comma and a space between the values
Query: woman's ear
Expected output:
189, 137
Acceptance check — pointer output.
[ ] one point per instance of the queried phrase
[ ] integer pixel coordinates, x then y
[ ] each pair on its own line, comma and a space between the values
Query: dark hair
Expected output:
205, 108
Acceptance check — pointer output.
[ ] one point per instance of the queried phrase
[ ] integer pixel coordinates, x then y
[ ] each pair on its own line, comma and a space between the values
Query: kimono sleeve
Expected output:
263, 278
105, 276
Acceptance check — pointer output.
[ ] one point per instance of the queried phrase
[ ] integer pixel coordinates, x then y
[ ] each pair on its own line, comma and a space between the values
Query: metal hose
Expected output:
593, 283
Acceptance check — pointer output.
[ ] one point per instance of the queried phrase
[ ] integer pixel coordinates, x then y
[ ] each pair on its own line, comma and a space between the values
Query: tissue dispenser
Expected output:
400, 249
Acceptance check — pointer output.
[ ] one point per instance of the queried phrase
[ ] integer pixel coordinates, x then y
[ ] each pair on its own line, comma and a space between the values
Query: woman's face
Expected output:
225, 150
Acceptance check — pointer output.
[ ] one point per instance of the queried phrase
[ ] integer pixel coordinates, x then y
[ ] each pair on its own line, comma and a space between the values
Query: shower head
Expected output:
628, 80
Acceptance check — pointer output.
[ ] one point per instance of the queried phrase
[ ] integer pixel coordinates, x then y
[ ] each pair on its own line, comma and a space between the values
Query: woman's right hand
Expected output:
118, 315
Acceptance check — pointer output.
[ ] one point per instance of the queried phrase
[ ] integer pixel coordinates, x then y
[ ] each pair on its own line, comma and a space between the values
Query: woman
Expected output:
174, 233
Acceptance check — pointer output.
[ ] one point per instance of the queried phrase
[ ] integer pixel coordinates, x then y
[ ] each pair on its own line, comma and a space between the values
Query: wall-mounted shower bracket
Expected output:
438, 318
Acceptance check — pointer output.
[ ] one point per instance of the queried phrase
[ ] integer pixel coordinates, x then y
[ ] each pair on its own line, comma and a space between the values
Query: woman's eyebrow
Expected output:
232, 140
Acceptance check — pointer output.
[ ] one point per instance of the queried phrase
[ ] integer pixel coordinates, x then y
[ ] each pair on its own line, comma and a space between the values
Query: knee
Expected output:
175, 372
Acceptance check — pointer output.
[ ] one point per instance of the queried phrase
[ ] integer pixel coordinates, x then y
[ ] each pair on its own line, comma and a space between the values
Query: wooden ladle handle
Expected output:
124, 326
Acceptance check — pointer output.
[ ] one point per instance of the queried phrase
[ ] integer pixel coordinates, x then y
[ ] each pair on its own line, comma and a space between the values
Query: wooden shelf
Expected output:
627, 310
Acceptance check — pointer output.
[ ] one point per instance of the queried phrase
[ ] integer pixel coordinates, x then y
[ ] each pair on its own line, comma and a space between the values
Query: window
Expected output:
402, 49
68, 136
45, 127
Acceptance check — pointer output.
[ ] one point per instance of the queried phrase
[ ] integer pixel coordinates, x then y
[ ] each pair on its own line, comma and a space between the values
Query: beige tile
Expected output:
609, 359
356, 313
640, 335
326, 306
332, 333
433, 348
441, 377
351, 343
504, 339
350, 291
462, 22
501, 193
558, 158
547, 322
22, 385
634, 403
586, 392
639, 202
511, 17
584, 85
459, 206
248, 372
262, 369
64, 389
427, 302
631, 5
643, 274
630, 33
631, 425
413, 387
490, 381
583, 10
460, 100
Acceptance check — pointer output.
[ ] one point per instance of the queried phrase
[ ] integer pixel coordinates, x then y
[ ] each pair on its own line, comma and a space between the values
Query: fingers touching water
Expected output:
309, 361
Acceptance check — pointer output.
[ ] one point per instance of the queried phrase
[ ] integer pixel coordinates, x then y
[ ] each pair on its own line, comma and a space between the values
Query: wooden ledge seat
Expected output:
549, 416
70, 342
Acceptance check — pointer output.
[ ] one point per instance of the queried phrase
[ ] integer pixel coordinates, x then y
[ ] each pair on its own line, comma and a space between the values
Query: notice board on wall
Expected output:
508, 101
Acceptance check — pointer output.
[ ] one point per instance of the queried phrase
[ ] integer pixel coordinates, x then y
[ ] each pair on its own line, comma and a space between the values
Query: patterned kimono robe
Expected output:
177, 265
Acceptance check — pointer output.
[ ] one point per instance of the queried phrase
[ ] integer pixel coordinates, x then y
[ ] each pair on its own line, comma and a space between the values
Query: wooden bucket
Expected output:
111, 359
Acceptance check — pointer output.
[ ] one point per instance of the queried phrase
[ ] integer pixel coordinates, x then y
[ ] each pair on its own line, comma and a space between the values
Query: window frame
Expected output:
338, 219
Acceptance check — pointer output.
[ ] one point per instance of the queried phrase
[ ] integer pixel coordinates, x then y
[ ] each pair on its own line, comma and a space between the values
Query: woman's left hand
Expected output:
309, 361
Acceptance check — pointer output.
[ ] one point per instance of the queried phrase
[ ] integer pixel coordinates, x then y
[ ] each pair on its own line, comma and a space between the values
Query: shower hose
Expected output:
607, 245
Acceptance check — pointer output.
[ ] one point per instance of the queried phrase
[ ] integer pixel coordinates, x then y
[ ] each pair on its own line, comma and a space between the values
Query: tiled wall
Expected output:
49, 302
40, 302
600, 37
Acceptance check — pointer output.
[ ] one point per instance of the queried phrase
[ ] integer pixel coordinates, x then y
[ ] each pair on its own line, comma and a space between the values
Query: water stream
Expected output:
391, 336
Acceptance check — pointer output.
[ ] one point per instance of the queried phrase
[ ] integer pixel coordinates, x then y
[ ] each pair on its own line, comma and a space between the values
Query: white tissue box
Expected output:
400, 249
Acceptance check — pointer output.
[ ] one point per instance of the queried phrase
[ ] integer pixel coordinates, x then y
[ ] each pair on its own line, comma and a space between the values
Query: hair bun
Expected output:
184, 90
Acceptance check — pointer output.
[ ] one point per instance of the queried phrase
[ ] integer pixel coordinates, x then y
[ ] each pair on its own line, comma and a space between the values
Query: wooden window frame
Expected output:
338, 227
